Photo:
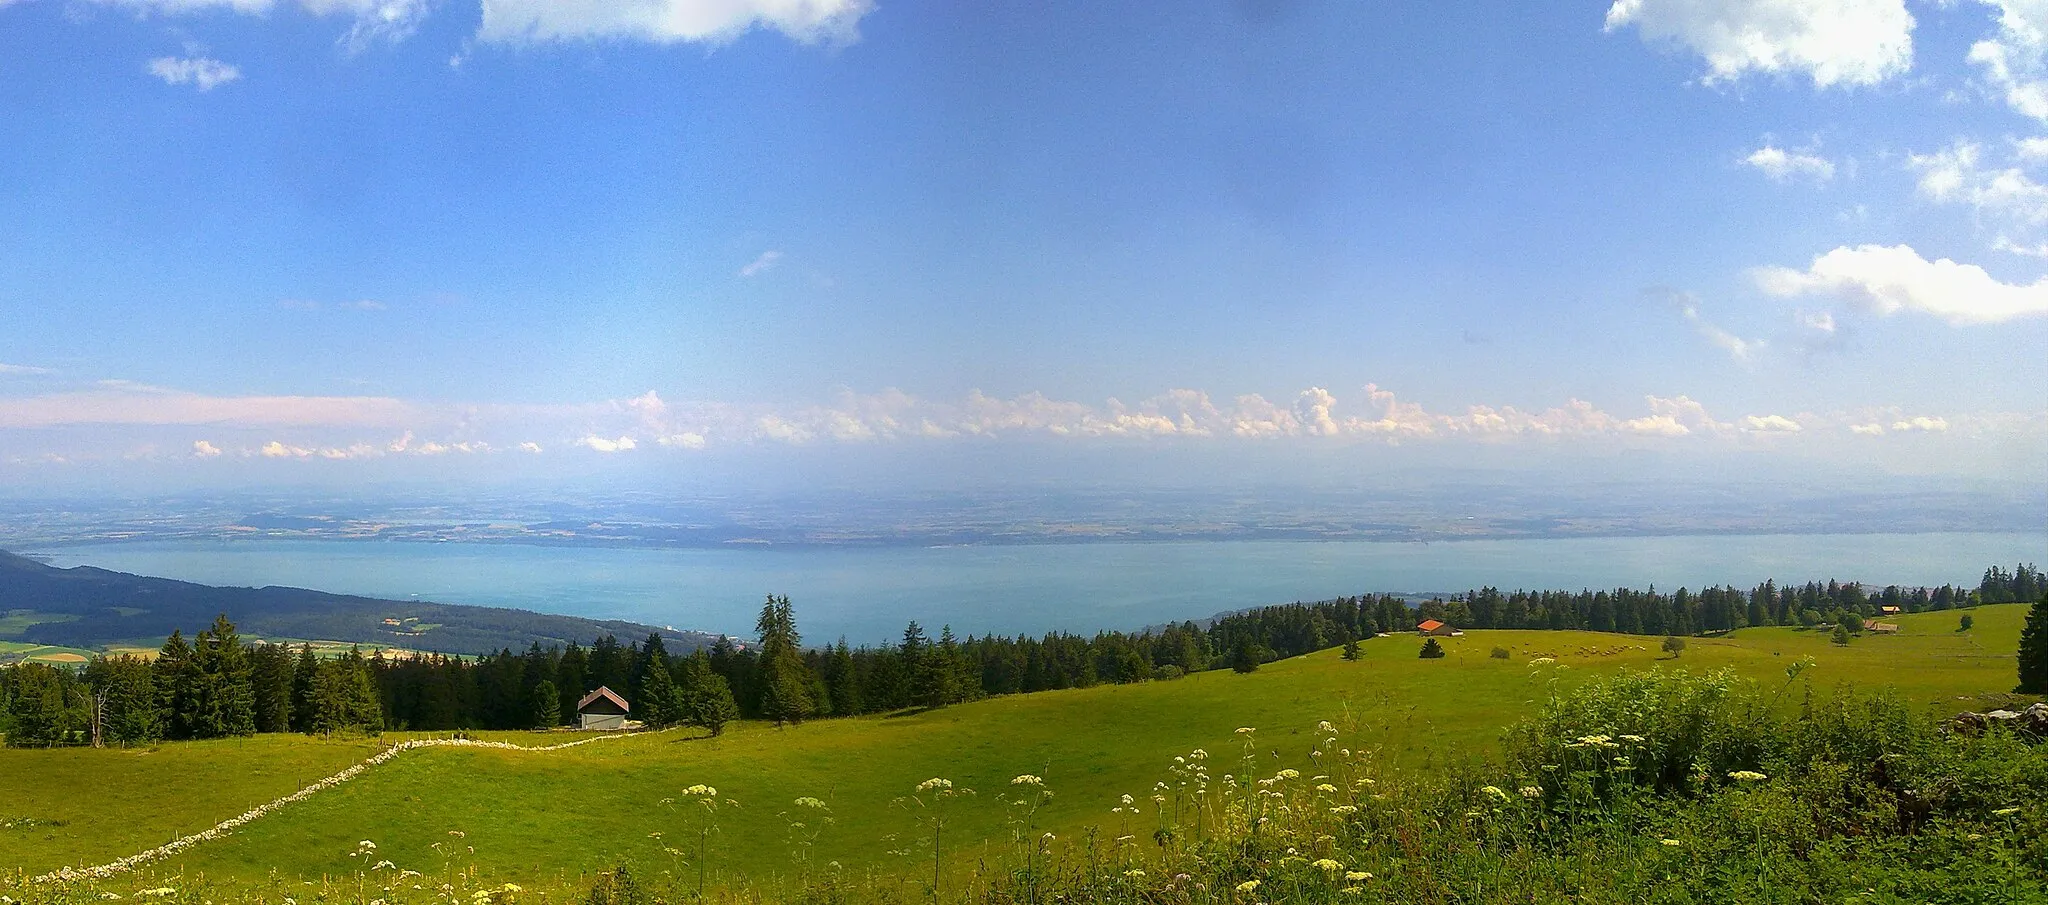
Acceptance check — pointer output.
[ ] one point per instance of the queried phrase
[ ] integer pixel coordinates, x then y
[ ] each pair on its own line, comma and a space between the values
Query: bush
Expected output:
1431, 650
1499, 653
1674, 646
1968, 623
1169, 671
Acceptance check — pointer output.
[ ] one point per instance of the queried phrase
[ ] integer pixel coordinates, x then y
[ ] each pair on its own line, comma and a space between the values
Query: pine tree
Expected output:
709, 697
1431, 650
661, 703
304, 704
1351, 651
40, 714
223, 701
2034, 650
1244, 658
1840, 635
785, 681
272, 681
547, 705
845, 682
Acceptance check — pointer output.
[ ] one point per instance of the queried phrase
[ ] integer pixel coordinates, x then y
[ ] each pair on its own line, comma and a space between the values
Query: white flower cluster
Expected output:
223, 828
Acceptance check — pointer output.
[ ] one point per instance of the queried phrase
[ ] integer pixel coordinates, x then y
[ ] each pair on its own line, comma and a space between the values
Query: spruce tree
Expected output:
709, 697
1351, 651
173, 669
660, 704
2034, 650
547, 705
223, 700
1431, 650
785, 681
1244, 658
271, 679
304, 704
845, 683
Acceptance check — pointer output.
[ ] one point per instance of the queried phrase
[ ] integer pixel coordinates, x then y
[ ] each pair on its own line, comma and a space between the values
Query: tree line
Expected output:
216, 685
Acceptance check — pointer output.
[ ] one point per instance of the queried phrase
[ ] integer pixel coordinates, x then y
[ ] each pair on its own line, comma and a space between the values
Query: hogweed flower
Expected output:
2005, 812
1357, 875
1327, 864
1747, 776
1247, 886
934, 783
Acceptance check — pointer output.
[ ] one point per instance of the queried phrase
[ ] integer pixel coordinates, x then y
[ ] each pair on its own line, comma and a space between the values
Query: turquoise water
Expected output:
868, 594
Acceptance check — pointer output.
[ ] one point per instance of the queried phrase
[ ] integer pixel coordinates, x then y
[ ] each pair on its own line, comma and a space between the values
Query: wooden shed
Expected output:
1437, 628
602, 709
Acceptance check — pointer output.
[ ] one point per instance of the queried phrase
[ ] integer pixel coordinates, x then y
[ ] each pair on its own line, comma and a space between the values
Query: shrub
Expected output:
1169, 671
1841, 635
1674, 646
1967, 624
1499, 653
1431, 650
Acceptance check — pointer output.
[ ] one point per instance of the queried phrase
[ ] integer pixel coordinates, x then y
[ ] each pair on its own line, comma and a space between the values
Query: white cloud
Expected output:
1768, 424
762, 264
1891, 279
1867, 430
529, 447
1784, 166
684, 440
8, 370
204, 450
1921, 423
203, 73
2013, 59
375, 20
120, 402
277, 450
1835, 42
1956, 176
1737, 348
603, 445
669, 21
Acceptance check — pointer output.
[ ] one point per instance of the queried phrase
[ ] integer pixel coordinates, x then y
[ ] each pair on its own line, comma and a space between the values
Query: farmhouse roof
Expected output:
1430, 625
606, 693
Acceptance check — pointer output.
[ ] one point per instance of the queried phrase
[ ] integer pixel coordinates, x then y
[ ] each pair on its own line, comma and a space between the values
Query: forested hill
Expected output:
86, 607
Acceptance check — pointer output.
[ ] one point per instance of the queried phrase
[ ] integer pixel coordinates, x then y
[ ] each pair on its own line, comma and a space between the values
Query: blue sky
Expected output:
276, 238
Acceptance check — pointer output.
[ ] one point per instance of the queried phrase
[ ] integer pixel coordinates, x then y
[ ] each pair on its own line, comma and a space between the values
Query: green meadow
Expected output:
548, 816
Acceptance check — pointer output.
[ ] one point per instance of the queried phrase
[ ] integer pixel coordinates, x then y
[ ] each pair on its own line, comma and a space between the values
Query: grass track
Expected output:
533, 815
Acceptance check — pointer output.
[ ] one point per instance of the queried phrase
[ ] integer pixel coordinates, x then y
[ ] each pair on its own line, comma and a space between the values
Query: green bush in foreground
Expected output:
1659, 787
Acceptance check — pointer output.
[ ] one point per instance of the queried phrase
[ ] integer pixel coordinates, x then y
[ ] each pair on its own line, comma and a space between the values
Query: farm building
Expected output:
1885, 628
602, 709
1438, 628
1888, 611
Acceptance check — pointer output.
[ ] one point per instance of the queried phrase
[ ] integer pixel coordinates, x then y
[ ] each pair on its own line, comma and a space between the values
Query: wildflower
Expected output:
1288, 774
1357, 875
1134, 873
934, 783
1344, 810
701, 791
1198, 754
1028, 780
1246, 730
1671, 842
1325, 787
1351, 890
1542, 661
1531, 792
1325, 726
1633, 738
2005, 812
809, 802
1747, 776
1327, 864
1495, 792
1127, 800
1247, 886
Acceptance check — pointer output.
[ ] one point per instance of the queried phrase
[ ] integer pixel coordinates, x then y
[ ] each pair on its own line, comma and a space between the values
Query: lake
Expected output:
867, 594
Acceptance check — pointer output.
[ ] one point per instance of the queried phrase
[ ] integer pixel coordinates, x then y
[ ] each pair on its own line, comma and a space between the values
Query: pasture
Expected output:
532, 817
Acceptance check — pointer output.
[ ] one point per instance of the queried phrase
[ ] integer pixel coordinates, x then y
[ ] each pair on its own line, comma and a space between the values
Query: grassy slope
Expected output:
529, 814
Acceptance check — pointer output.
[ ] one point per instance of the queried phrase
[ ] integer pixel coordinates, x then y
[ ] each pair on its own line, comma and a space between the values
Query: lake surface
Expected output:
867, 594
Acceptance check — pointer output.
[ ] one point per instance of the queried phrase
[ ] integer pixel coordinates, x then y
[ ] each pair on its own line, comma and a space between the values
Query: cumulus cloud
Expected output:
1921, 423
2012, 60
277, 450
603, 445
1834, 42
762, 264
1867, 430
204, 450
1770, 424
8, 370
669, 21
1891, 279
203, 73
529, 446
1785, 166
1957, 175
